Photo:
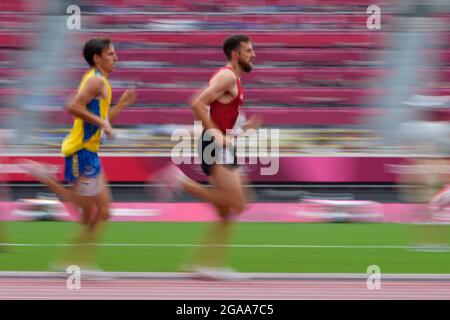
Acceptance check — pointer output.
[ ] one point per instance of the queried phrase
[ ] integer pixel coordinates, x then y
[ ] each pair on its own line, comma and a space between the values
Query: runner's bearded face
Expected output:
246, 56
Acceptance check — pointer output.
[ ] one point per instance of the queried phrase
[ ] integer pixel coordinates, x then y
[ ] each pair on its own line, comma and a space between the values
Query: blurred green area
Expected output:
387, 245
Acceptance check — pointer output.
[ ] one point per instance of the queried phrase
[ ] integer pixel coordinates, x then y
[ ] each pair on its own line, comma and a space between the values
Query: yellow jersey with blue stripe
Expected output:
84, 135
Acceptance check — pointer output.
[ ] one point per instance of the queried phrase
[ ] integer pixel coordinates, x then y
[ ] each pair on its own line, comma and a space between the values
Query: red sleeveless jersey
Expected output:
225, 114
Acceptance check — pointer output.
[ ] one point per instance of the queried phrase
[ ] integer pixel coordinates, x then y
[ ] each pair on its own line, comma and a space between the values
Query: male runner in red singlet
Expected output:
218, 107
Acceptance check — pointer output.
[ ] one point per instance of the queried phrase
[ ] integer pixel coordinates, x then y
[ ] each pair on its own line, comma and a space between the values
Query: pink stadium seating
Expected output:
214, 39
257, 96
322, 72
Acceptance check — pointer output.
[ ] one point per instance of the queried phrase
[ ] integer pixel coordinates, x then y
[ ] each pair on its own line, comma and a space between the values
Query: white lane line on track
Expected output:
293, 246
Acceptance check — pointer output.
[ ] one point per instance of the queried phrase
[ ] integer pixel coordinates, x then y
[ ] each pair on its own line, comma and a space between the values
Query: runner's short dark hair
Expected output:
233, 43
93, 47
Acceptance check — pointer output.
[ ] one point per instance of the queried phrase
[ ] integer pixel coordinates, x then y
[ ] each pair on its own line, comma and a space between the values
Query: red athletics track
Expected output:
267, 287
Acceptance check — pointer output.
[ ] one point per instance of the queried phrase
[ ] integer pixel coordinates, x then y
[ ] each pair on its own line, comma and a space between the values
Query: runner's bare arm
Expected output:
127, 98
77, 107
222, 83
254, 122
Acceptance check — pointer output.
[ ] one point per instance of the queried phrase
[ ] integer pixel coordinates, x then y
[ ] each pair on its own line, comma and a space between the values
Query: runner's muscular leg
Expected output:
228, 182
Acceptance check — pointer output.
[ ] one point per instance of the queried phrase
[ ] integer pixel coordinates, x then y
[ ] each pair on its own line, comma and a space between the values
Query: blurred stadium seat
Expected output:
317, 66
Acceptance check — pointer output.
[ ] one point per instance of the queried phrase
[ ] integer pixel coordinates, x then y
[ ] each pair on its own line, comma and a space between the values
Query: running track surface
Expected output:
181, 287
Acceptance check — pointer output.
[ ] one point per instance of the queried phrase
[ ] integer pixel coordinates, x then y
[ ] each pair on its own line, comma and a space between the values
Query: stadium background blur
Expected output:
344, 98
